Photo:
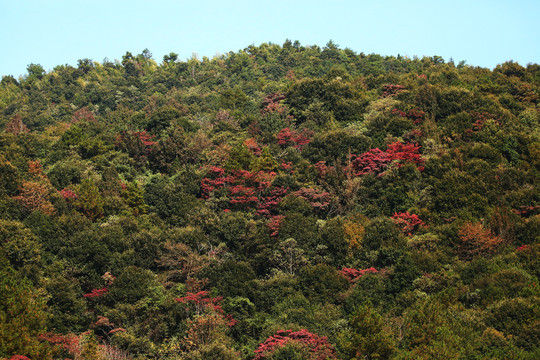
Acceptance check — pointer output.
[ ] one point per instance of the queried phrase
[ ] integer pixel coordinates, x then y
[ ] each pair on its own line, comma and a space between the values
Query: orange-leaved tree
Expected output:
34, 193
477, 241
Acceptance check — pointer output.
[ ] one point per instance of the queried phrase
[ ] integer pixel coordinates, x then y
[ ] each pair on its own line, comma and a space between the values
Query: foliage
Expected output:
477, 241
191, 209
317, 347
22, 318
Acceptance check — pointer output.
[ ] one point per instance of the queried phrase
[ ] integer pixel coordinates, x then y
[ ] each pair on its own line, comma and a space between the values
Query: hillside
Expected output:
279, 202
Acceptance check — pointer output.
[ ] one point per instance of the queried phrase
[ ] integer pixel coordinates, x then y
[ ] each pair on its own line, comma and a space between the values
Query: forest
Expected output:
278, 202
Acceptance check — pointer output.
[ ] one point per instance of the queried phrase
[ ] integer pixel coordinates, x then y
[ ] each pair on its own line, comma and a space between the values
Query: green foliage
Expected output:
10, 178
381, 232
132, 285
517, 317
367, 337
89, 200
344, 100
22, 317
122, 216
240, 158
21, 248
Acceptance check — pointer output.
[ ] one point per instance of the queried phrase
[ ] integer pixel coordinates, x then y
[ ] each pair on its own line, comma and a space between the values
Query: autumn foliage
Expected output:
391, 90
16, 126
296, 139
353, 275
96, 293
202, 301
245, 189
34, 194
407, 222
387, 203
475, 241
272, 103
317, 346
138, 144
83, 114
416, 116
376, 161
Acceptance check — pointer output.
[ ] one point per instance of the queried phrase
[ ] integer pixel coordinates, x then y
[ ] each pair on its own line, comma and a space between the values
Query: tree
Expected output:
477, 241
89, 200
34, 196
289, 257
137, 144
367, 336
171, 58
9, 177
16, 126
20, 246
134, 197
408, 223
35, 71
265, 162
310, 345
22, 318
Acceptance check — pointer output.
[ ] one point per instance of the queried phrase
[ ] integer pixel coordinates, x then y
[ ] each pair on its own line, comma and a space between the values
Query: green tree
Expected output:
89, 200
367, 336
22, 317
265, 162
21, 248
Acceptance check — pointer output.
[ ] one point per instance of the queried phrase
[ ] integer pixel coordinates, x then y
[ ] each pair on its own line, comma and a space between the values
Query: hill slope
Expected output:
277, 202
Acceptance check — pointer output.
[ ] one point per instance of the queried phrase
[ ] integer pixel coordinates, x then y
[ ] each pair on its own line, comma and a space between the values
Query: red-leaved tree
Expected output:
408, 223
245, 189
296, 139
353, 275
202, 302
318, 347
376, 161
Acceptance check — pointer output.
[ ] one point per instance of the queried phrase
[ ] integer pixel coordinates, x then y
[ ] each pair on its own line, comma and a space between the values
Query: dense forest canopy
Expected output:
279, 202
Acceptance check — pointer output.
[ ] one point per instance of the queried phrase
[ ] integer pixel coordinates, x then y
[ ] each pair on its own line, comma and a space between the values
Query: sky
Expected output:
56, 32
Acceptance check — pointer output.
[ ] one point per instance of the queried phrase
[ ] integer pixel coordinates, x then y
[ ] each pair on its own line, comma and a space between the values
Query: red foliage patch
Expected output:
287, 167
296, 139
68, 194
252, 145
405, 153
16, 126
416, 116
527, 211
201, 300
318, 346
321, 168
83, 114
353, 275
245, 189
392, 90
272, 103
69, 343
96, 293
480, 119
522, 247
146, 139
408, 223
275, 223
317, 199
376, 161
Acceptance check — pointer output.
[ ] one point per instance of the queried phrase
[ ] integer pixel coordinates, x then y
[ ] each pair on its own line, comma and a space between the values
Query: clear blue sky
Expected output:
53, 32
